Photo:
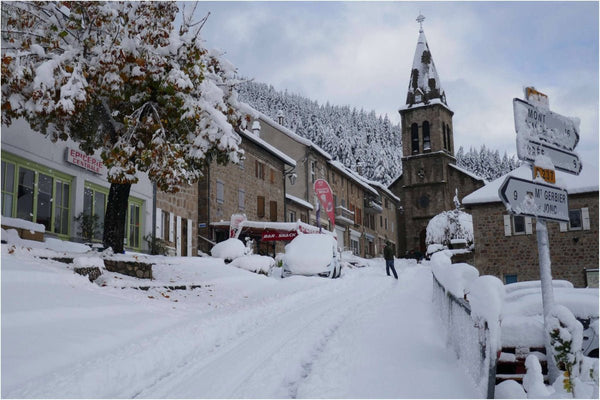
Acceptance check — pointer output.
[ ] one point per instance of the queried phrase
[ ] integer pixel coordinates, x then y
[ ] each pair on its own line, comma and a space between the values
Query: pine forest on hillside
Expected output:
364, 142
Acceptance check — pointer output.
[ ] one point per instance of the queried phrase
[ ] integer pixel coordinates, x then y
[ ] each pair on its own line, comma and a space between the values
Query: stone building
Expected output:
176, 220
429, 174
254, 187
311, 164
506, 245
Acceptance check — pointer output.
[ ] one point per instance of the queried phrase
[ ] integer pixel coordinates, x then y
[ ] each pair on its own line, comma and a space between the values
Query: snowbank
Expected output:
22, 224
454, 277
254, 263
229, 249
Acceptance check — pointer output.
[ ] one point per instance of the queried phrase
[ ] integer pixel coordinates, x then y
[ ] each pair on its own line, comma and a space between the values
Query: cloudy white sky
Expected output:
360, 54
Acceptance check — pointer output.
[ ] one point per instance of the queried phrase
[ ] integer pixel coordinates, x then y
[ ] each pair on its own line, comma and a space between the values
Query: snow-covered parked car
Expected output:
312, 254
255, 263
229, 249
523, 321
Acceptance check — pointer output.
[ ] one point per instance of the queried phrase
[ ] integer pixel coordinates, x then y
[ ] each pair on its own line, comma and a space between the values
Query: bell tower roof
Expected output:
424, 87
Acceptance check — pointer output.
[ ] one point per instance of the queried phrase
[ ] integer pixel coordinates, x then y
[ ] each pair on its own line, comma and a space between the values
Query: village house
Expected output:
254, 187
54, 183
500, 236
429, 176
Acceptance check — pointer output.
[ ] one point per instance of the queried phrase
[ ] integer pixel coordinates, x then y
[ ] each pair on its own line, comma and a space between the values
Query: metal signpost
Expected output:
541, 132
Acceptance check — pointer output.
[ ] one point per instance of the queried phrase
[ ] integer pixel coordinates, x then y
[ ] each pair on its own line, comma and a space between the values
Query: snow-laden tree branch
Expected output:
122, 79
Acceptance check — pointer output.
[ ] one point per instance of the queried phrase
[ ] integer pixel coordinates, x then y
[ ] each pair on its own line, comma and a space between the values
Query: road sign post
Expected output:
541, 132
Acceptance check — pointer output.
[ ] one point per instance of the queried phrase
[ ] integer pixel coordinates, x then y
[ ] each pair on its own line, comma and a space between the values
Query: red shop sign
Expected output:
268, 236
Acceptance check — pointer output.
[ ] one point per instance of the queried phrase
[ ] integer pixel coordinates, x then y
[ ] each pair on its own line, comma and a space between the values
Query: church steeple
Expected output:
424, 86
426, 117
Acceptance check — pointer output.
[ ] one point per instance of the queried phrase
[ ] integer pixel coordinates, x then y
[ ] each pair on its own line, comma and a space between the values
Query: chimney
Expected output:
256, 128
280, 117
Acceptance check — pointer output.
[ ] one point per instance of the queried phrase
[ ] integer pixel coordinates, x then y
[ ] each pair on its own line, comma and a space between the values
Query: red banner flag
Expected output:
325, 196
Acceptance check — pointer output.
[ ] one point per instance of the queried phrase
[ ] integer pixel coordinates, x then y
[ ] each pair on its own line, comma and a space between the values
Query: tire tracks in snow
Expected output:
277, 336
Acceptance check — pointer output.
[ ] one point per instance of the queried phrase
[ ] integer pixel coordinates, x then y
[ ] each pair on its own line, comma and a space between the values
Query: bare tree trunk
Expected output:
116, 213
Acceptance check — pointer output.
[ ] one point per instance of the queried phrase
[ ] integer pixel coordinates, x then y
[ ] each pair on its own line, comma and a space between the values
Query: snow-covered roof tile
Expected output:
466, 172
353, 175
294, 135
585, 182
299, 201
276, 152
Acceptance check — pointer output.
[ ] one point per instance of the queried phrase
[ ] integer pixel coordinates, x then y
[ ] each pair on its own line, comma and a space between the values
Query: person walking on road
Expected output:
388, 254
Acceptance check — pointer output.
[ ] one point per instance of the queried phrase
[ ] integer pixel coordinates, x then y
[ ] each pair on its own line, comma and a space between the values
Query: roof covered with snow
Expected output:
298, 200
293, 135
353, 175
585, 182
424, 86
467, 172
276, 152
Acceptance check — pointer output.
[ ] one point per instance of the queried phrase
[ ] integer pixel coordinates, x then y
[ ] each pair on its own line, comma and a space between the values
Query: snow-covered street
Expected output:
239, 335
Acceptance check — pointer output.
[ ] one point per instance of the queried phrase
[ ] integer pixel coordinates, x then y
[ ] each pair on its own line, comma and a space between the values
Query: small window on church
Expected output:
414, 134
426, 136
448, 139
444, 135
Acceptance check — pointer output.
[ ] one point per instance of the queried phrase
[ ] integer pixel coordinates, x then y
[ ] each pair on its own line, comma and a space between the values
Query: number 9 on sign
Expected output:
515, 195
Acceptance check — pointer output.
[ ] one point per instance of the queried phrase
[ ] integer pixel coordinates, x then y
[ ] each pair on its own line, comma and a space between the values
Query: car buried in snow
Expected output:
312, 254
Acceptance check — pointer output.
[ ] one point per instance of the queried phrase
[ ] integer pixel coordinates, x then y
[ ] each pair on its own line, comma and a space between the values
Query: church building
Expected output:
430, 176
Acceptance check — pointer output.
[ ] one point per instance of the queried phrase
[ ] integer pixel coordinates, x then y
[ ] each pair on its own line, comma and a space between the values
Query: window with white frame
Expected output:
579, 219
313, 171
517, 225
220, 192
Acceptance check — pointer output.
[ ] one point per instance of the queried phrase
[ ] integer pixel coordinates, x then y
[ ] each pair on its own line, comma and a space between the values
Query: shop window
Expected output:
94, 203
95, 199
8, 188
134, 231
273, 211
61, 208
25, 194
510, 278
35, 193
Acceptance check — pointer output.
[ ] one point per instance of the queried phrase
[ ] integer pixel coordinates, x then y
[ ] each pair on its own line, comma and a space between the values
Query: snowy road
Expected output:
364, 335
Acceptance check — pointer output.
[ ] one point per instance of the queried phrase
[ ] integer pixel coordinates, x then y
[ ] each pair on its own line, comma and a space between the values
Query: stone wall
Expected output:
570, 252
131, 268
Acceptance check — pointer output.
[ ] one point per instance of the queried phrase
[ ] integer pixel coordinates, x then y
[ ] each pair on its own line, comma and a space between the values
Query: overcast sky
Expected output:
360, 54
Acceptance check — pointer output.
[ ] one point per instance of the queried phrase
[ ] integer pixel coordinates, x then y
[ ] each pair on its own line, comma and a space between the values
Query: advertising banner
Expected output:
325, 195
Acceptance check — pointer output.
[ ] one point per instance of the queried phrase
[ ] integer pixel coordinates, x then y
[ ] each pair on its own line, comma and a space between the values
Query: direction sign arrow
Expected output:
528, 150
541, 124
534, 199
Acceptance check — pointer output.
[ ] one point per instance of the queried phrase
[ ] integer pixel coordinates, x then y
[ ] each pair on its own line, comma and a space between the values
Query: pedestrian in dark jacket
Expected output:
388, 254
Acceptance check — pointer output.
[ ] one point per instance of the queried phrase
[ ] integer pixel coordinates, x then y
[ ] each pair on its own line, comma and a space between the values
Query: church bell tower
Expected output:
426, 117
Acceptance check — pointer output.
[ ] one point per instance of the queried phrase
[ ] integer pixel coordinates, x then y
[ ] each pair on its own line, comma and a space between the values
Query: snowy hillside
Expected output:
362, 141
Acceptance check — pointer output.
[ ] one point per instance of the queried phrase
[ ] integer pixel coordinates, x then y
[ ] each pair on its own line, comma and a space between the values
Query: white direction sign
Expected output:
534, 199
528, 150
541, 124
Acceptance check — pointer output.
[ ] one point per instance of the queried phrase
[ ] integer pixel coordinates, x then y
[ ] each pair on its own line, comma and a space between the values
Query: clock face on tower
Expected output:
423, 201
421, 173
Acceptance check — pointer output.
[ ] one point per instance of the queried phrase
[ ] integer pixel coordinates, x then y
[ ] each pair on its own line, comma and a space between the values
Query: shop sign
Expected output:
269, 236
79, 158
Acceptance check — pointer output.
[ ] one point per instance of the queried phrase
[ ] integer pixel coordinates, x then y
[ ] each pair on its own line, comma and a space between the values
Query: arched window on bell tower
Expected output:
449, 138
444, 136
426, 137
414, 138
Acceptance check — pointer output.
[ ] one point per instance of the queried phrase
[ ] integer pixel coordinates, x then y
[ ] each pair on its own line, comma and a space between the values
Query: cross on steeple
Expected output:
420, 20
